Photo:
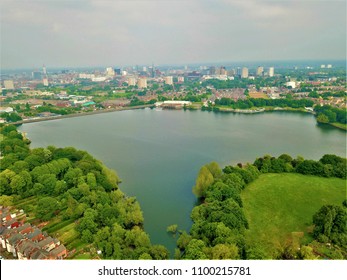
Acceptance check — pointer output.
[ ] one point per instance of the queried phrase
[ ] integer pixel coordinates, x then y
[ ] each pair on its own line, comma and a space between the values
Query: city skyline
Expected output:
92, 33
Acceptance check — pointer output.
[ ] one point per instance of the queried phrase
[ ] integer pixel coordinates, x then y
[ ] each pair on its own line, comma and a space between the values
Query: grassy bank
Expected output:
339, 125
279, 207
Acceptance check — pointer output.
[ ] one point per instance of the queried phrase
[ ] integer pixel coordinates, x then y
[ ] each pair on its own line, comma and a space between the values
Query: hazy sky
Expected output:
69, 33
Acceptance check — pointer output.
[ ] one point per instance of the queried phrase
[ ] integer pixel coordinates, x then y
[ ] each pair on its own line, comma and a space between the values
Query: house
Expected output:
36, 235
48, 243
12, 241
25, 229
40, 255
4, 232
59, 252
10, 223
25, 248
6, 110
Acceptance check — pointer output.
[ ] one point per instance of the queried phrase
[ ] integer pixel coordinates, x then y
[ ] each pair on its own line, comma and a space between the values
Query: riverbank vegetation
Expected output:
275, 208
76, 196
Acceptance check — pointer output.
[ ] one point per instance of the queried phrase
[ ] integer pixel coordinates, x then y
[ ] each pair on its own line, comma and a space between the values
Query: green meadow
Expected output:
279, 207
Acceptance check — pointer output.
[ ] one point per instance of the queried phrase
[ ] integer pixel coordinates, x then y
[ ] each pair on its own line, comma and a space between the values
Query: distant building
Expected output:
180, 79
329, 66
8, 84
168, 80
322, 66
271, 71
291, 84
44, 70
6, 110
221, 71
244, 72
231, 72
118, 71
45, 82
131, 81
98, 79
86, 76
110, 72
37, 75
260, 71
142, 83
212, 70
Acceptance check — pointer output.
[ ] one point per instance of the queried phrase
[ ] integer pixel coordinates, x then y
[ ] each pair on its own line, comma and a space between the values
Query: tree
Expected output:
330, 220
159, 252
214, 168
204, 180
224, 252
195, 250
172, 229
48, 181
183, 240
46, 208
322, 118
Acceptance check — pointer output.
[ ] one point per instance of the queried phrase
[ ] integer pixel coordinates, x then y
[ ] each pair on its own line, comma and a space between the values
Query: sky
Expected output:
83, 33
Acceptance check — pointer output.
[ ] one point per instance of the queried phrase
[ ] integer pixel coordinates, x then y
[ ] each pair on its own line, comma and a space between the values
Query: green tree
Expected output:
322, 118
195, 250
329, 220
204, 180
47, 208
224, 252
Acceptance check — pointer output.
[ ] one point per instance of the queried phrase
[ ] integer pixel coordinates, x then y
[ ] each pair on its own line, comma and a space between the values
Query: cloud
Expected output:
95, 32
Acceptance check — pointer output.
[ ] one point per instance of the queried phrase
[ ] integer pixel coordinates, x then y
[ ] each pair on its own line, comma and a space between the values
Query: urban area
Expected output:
28, 96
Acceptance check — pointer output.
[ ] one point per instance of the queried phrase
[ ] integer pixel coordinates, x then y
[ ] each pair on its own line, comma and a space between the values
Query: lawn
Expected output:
279, 207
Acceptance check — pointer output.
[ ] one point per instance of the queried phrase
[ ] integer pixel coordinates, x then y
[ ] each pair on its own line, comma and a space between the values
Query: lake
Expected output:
158, 153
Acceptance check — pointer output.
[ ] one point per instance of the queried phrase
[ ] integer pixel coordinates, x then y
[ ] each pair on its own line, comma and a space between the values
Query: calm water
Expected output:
158, 154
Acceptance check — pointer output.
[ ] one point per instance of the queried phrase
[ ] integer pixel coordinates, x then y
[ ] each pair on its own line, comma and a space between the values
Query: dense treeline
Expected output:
329, 114
219, 223
262, 102
331, 224
219, 220
73, 185
327, 166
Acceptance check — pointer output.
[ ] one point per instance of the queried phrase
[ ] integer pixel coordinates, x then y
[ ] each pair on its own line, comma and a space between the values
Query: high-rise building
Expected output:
260, 71
271, 71
45, 82
222, 71
8, 84
329, 66
231, 72
44, 70
110, 72
244, 72
37, 75
142, 83
117, 71
212, 70
131, 81
168, 80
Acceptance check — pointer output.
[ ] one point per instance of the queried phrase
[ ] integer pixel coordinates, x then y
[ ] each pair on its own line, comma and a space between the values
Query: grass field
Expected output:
279, 207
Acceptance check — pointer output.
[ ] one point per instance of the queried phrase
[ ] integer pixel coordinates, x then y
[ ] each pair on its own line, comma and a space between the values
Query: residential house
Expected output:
12, 241
59, 252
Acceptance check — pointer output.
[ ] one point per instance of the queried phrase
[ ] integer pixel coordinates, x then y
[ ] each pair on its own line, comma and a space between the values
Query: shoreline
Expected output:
80, 114
222, 110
